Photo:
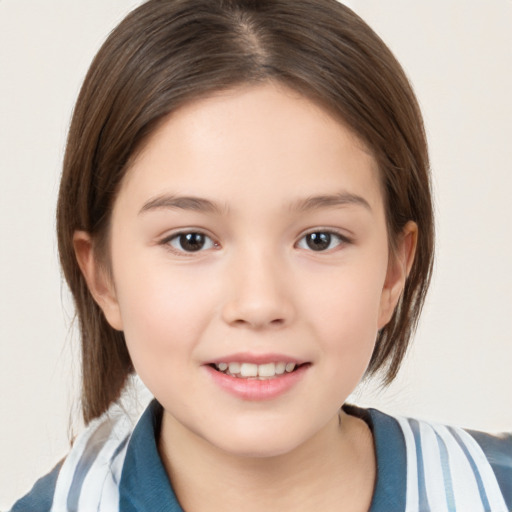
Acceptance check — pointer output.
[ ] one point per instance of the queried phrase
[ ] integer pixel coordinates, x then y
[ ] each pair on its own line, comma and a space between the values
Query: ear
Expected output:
399, 266
98, 281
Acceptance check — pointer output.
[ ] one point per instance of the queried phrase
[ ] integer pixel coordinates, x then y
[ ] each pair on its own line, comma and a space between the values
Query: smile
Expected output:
257, 382
255, 371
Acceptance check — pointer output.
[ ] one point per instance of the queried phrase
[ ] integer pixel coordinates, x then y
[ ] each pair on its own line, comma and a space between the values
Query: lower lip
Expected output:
255, 389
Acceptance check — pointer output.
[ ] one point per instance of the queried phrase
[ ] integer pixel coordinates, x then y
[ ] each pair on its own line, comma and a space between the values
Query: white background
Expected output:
458, 54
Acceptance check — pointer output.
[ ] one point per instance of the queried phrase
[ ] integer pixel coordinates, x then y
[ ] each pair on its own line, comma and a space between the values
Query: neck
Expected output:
333, 470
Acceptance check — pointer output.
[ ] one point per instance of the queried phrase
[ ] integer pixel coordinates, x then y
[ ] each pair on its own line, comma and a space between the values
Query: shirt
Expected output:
114, 465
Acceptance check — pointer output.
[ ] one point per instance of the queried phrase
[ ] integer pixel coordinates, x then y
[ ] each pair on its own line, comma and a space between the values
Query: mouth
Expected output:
244, 370
253, 377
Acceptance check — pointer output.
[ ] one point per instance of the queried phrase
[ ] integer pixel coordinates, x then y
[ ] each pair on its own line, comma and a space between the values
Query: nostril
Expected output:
255, 313
277, 322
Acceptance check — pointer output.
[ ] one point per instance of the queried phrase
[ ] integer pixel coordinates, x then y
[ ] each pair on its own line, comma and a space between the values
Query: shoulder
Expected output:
449, 468
91, 469
40, 497
498, 451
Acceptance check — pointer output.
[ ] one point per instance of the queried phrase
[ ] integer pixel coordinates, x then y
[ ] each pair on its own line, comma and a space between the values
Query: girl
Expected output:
245, 221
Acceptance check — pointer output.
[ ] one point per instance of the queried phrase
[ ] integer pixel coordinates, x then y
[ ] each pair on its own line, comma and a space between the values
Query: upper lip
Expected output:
246, 357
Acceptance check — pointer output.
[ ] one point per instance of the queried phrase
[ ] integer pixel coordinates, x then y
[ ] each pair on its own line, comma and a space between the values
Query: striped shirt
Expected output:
421, 467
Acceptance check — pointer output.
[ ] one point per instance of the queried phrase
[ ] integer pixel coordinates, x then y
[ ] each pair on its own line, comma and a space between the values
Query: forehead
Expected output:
265, 140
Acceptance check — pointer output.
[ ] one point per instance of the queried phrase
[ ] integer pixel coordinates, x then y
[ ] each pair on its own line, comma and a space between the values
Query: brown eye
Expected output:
321, 241
318, 241
190, 242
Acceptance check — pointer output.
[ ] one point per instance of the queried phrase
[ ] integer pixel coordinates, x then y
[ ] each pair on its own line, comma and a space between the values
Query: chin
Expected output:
259, 441
251, 449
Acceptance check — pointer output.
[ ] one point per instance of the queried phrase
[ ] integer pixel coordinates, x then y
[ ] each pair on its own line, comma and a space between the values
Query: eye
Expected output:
190, 242
321, 241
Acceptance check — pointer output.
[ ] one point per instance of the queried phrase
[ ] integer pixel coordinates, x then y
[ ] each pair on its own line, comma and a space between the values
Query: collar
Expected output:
145, 485
390, 453
144, 482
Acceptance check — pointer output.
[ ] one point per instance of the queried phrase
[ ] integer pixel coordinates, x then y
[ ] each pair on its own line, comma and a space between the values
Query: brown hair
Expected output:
168, 52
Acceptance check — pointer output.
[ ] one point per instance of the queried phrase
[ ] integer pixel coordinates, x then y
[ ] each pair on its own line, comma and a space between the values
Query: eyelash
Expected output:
341, 240
182, 252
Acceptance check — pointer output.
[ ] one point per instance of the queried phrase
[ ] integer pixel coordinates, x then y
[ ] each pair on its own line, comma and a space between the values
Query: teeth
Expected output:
249, 370
262, 371
234, 368
280, 368
267, 370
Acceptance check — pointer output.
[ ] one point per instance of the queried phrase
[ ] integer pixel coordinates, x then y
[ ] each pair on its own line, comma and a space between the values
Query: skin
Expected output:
257, 153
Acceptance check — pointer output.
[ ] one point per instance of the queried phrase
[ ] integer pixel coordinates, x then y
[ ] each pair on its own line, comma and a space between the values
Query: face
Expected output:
250, 268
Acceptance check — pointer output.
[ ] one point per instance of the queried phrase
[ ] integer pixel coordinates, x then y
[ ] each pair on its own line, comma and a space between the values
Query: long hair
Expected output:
169, 52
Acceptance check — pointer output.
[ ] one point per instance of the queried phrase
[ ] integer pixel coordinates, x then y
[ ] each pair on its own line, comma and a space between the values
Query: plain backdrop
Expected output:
458, 55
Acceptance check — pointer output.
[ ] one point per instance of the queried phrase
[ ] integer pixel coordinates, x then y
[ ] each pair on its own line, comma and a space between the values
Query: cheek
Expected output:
350, 296
163, 313
345, 311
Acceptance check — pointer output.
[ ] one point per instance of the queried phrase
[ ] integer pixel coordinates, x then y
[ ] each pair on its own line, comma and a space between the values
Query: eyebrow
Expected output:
326, 201
198, 204
201, 204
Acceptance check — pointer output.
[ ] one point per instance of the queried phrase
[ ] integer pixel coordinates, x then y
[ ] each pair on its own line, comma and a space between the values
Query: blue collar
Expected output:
390, 452
145, 485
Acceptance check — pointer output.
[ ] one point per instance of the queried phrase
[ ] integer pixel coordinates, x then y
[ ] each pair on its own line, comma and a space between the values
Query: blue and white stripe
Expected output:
422, 467
90, 476
447, 471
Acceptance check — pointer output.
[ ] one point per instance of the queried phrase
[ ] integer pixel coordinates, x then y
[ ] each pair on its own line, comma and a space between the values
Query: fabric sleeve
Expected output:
498, 450
40, 497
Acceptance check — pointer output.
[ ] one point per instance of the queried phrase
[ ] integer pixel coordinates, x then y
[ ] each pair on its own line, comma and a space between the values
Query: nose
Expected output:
259, 295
